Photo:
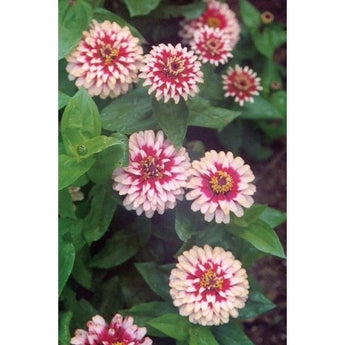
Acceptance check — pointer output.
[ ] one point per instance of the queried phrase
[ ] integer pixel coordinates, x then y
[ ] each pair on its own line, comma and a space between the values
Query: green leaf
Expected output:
173, 325
66, 209
269, 39
270, 74
245, 252
256, 304
63, 99
231, 334
80, 122
109, 159
74, 18
117, 250
81, 272
185, 222
129, 113
260, 109
70, 169
203, 114
250, 215
188, 11
66, 260
273, 217
250, 15
261, 236
142, 313
278, 100
71, 230
141, 7
231, 137
212, 87
201, 335
173, 119
103, 206
101, 14
157, 277
64, 323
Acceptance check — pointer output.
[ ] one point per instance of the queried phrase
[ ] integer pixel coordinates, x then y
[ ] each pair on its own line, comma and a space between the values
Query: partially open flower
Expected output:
208, 285
220, 183
172, 72
241, 83
275, 85
267, 17
216, 15
106, 61
120, 332
212, 45
155, 176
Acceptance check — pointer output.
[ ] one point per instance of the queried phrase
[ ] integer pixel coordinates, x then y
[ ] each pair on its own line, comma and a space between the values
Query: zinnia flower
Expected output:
172, 72
106, 61
216, 15
156, 174
212, 45
220, 184
267, 17
241, 83
119, 332
208, 285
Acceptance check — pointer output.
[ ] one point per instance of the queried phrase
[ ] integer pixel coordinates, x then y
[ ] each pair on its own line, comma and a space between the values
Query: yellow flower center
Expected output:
150, 168
212, 45
213, 22
242, 82
118, 343
174, 66
108, 53
209, 280
221, 182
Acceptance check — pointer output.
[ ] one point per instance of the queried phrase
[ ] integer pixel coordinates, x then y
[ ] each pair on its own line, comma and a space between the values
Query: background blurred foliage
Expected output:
111, 260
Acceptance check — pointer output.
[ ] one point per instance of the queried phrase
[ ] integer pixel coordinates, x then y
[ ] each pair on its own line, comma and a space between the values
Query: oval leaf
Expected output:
173, 119
231, 334
141, 7
66, 261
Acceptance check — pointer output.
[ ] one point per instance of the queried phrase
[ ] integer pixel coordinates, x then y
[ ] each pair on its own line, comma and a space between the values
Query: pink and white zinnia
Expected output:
106, 61
220, 183
216, 15
212, 45
155, 176
120, 332
208, 285
172, 72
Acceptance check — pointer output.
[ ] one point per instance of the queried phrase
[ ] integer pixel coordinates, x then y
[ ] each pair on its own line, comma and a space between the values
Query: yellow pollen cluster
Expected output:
108, 53
221, 183
209, 280
212, 45
174, 66
118, 343
242, 82
213, 22
150, 168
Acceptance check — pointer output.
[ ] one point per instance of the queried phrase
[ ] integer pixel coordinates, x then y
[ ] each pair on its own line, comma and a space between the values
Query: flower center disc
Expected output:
150, 168
209, 280
212, 45
242, 82
213, 22
118, 343
174, 66
108, 53
221, 182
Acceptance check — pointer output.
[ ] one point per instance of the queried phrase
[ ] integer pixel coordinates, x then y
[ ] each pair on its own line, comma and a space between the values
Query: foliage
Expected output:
110, 260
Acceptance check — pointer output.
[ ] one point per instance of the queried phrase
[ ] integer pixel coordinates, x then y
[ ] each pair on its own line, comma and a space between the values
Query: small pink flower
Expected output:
155, 176
106, 61
172, 72
208, 285
241, 83
119, 332
212, 45
220, 183
216, 15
